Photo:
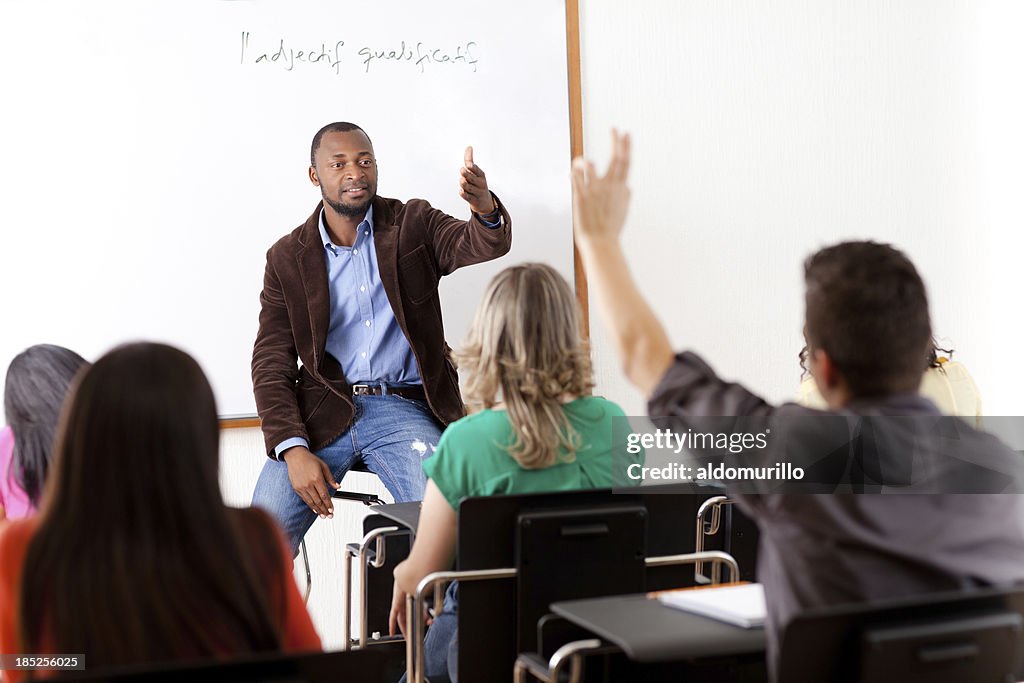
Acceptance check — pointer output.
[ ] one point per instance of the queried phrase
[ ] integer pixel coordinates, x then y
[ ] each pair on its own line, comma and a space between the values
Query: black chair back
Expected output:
488, 631
574, 553
975, 635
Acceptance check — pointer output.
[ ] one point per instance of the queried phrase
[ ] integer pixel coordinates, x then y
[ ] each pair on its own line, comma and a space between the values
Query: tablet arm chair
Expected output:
567, 661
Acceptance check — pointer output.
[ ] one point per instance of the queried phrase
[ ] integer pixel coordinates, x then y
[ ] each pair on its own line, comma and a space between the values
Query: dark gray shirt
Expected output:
833, 548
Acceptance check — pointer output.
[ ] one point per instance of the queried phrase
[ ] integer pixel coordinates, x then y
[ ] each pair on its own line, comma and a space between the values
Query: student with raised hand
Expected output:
537, 428
37, 381
868, 332
133, 557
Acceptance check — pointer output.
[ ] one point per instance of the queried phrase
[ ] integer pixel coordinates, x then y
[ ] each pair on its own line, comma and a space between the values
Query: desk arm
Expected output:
716, 557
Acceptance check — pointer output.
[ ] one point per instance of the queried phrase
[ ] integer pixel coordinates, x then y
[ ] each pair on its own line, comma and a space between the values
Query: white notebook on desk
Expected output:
741, 605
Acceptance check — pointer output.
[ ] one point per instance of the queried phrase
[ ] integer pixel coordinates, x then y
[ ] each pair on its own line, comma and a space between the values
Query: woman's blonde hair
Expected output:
525, 343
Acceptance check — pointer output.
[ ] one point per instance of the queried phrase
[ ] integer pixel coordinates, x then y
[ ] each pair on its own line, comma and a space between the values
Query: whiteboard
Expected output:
152, 151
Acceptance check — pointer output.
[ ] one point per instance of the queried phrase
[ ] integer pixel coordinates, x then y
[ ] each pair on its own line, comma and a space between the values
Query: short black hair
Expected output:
336, 127
868, 310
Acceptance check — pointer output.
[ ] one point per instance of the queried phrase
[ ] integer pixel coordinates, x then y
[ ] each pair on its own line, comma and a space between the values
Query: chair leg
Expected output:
309, 577
347, 601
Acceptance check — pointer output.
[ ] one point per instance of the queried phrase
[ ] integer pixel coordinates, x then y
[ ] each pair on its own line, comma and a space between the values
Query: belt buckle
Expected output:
361, 389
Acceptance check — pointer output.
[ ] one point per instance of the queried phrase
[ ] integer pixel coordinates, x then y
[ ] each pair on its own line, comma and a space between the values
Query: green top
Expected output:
472, 456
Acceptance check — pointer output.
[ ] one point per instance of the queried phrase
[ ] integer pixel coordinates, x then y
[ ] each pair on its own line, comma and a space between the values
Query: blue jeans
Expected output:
391, 434
441, 644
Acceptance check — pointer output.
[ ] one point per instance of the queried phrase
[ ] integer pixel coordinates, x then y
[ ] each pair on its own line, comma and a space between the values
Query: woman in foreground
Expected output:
133, 557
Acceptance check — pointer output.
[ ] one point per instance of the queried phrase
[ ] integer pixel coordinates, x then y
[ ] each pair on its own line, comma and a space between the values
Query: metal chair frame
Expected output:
708, 528
432, 586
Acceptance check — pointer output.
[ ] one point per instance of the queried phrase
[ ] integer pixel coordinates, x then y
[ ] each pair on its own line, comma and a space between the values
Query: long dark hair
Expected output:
37, 382
136, 557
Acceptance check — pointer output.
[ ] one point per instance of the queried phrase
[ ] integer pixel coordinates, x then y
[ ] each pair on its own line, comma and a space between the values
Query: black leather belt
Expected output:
414, 391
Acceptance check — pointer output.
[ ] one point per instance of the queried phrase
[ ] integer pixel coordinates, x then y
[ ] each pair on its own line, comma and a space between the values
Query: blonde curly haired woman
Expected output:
536, 428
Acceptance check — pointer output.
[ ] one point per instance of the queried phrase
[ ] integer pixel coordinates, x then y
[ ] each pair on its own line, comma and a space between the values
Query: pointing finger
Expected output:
469, 157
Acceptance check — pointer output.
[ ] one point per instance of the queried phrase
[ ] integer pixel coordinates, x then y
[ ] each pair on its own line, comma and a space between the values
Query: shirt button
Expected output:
362, 288
367, 323
366, 232
363, 354
355, 251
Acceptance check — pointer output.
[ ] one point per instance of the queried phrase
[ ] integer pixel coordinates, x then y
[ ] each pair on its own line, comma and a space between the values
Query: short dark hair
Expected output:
37, 381
336, 127
868, 310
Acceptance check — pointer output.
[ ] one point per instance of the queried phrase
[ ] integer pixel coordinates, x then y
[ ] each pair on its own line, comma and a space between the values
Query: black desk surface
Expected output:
650, 632
406, 514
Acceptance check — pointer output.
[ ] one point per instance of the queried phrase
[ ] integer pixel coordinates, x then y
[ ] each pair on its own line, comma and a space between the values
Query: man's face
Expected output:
346, 172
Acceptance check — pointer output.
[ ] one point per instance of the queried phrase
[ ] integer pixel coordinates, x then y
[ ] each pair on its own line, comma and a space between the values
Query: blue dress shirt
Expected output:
363, 334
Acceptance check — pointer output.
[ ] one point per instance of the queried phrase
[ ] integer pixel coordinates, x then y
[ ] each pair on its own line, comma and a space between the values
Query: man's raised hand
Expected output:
473, 186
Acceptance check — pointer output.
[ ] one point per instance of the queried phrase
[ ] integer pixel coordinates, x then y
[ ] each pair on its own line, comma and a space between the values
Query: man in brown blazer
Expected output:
350, 362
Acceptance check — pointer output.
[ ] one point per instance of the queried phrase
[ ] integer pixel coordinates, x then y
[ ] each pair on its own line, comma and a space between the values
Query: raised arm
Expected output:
485, 236
600, 203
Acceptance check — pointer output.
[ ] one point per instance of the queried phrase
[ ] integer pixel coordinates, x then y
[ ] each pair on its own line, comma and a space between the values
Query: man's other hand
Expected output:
312, 480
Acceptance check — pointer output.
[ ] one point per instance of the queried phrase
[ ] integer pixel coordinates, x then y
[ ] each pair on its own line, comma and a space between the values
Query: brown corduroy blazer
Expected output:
416, 245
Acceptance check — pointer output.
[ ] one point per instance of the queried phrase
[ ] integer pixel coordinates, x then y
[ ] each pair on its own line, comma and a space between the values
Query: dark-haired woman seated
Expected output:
133, 557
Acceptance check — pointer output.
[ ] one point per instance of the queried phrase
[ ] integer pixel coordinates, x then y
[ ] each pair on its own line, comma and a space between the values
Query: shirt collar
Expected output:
366, 224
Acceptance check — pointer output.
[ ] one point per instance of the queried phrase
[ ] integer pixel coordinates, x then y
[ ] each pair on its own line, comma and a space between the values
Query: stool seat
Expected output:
364, 498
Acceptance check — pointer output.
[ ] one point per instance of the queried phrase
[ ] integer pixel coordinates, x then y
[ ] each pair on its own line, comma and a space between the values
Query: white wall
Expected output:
764, 130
